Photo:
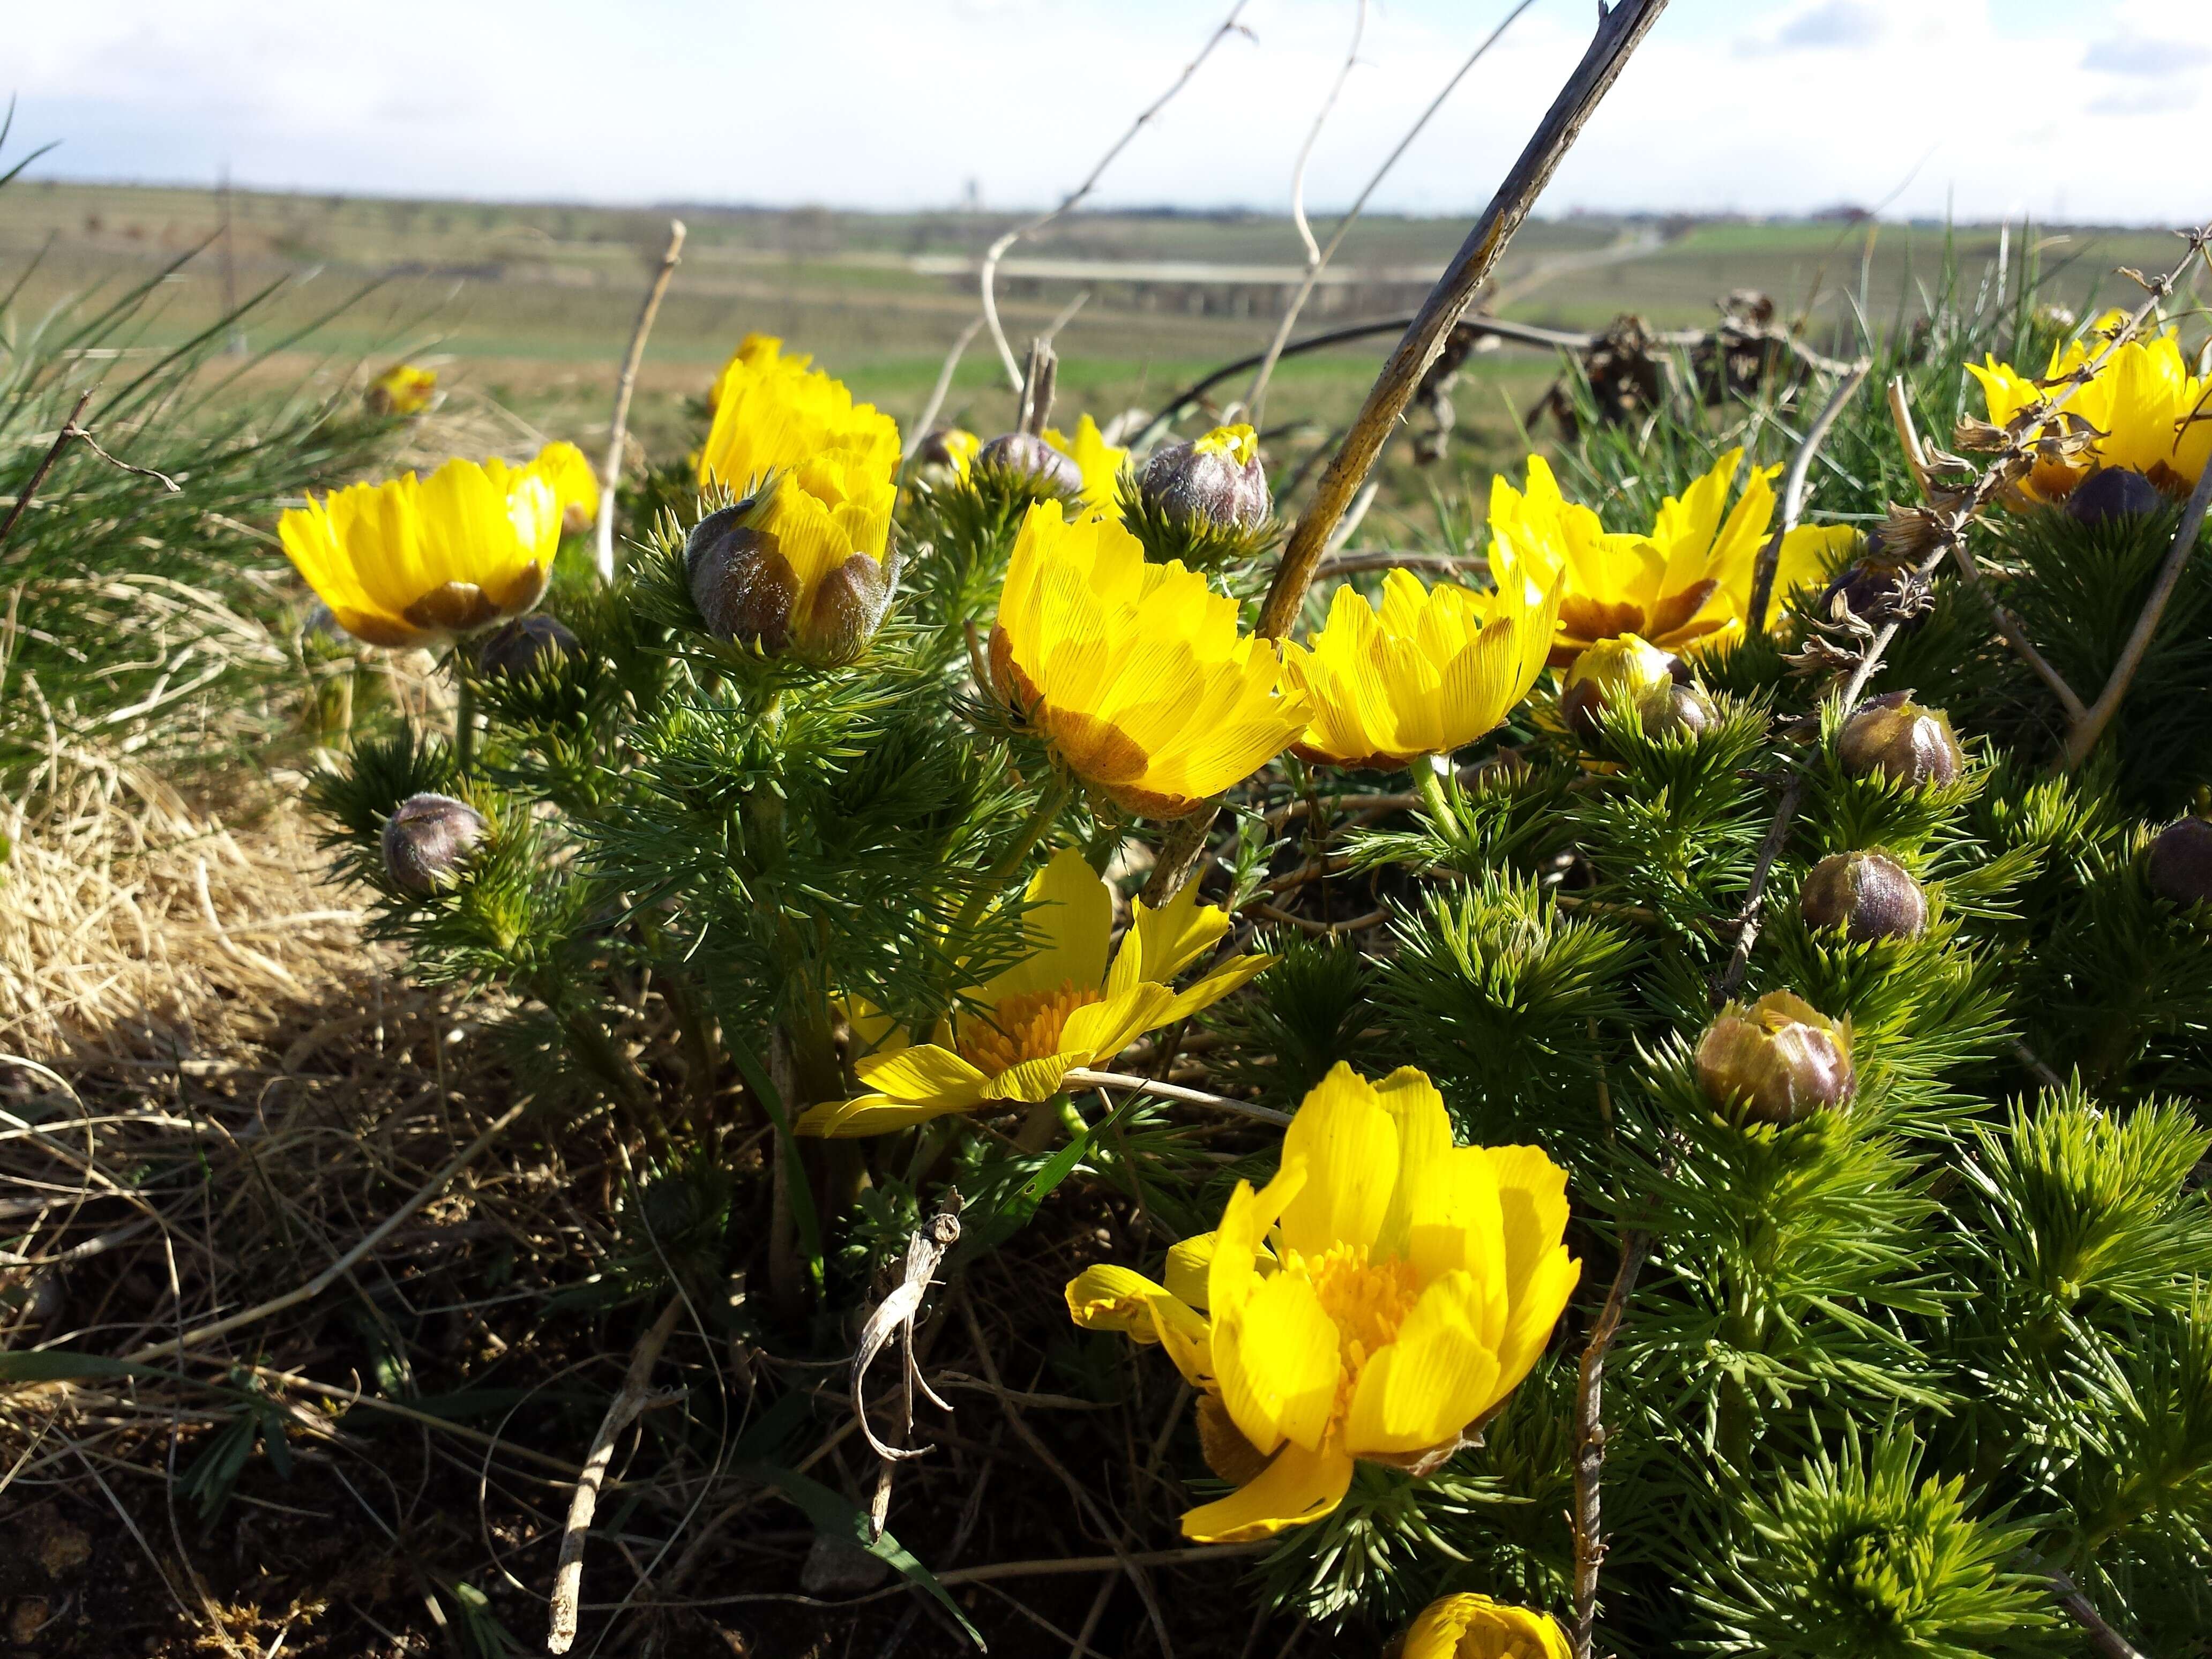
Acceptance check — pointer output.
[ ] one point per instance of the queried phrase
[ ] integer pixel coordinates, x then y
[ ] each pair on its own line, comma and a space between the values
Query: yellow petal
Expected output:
1068, 921
1231, 1274
1278, 1364
926, 1073
1297, 1487
1349, 1143
1435, 1378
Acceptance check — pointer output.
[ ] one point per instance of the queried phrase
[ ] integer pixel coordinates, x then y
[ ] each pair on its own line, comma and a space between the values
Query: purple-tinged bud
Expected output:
1893, 737
1781, 1057
2113, 492
517, 648
1869, 895
2180, 863
426, 841
1216, 478
740, 580
1028, 461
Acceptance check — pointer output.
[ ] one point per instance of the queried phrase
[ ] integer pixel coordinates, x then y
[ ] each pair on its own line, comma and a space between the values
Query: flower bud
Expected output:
1869, 895
1893, 737
749, 592
1028, 462
426, 841
1625, 666
519, 647
740, 580
1216, 478
2113, 492
2180, 863
944, 457
1682, 709
1781, 1057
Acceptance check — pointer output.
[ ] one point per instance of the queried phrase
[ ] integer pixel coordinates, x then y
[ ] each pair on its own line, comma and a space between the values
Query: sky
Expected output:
2089, 111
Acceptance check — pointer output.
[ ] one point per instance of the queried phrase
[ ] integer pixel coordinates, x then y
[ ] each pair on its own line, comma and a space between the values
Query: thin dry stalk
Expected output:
1618, 32
1589, 1440
636, 1394
1083, 1078
70, 430
1793, 491
626, 383
943, 389
990, 274
1317, 258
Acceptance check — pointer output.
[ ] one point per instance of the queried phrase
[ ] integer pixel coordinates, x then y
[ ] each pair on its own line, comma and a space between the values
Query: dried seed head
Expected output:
1782, 1058
1869, 895
1028, 462
2113, 492
520, 646
1624, 667
1216, 478
2180, 863
426, 841
1893, 737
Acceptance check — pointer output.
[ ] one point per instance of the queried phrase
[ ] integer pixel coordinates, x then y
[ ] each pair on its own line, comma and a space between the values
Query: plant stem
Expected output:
465, 719
1429, 784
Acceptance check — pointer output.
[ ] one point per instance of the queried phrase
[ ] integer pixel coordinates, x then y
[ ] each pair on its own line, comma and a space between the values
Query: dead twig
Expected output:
896, 1314
1590, 1439
1618, 32
636, 1394
943, 389
1083, 1078
70, 430
2102, 1637
625, 383
1793, 490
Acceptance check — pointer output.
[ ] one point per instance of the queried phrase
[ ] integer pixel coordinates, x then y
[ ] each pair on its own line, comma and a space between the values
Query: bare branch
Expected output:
939, 392
1793, 492
1618, 32
997, 249
1589, 1440
625, 383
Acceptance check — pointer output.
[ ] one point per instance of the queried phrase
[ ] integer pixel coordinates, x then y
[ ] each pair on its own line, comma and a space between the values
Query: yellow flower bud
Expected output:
1782, 1058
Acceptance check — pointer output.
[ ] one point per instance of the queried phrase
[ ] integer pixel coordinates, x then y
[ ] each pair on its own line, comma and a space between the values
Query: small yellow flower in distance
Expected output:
947, 454
1376, 1300
1099, 462
2145, 407
1435, 669
1071, 1003
576, 485
1476, 1627
772, 412
1685, 585
411, 562
1134, 673
402, 389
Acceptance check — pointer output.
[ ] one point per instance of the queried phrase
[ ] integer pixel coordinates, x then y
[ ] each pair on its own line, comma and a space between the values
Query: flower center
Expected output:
1366, 1300
1025, 1026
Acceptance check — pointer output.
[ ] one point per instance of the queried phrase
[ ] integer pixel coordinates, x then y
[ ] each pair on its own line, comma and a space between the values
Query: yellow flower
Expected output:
1134, 673
575, 486
2145, 407
1437, 669
1476, 1627
1065, 1005
1376, 1300
948, 453
410, 562
773, 412
1684, 585
1100, 463
803, 566
402, 389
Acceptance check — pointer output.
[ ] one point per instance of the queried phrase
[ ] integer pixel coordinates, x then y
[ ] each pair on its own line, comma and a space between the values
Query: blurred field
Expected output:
525, 307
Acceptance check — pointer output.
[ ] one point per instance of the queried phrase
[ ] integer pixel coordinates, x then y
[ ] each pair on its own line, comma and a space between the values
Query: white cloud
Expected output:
887, 102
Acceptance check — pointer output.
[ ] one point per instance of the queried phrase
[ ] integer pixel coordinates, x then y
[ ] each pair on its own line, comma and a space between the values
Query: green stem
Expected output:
465, 719
1429, 785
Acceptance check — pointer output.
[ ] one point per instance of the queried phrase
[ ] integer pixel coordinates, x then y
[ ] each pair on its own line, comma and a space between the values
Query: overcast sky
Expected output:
2089, 109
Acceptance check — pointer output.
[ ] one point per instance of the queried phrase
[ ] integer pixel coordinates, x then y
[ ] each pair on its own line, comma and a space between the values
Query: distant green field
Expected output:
525, 307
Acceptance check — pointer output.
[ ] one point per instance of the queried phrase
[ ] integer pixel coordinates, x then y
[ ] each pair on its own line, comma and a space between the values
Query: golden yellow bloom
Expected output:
949, 451
2145, 407
1134, 673
1067, 1005
1437, 669
1476, 1627
773, 412
1685, 585
1376, 1300
410, 562
575, 486
1100, 463
402, 389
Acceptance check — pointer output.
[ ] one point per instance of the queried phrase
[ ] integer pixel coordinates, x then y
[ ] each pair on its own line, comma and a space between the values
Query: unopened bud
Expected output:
1624, 667
519, 647
944, 457
1869, 895
1216, 478
2113, 492
1782, 1058
426, 841
2180, 863
740, 580
1028, 462
1679, 710
1893, 737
